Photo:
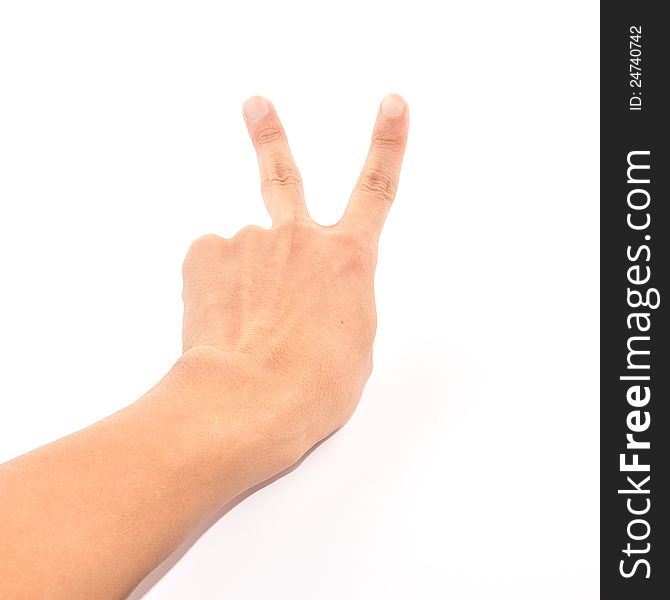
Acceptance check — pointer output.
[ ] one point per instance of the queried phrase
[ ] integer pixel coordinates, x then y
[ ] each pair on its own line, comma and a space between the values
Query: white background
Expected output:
470, 469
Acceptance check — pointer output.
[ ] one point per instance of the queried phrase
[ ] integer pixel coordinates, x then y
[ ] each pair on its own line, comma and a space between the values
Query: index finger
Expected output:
376, 187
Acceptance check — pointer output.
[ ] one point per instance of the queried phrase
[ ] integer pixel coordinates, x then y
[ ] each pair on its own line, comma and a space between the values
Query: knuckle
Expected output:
282, 175
378, 182
203, 246
268, 134
250, 230
388, 139
248, 234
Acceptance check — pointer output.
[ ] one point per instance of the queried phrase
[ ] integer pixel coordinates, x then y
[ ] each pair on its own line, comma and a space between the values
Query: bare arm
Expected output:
278, 331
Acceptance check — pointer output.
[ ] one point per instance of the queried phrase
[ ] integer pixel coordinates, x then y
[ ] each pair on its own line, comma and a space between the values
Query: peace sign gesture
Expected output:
289, 312
277, 346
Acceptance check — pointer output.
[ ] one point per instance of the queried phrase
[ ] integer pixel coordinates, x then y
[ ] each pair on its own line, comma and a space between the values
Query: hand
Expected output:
278, 329
291, 310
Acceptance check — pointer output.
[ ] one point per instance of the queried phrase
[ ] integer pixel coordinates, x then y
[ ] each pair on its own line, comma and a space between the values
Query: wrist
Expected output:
232, 410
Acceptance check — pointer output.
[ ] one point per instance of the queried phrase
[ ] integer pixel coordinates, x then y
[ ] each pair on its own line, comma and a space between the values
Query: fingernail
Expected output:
393, 106
256, 107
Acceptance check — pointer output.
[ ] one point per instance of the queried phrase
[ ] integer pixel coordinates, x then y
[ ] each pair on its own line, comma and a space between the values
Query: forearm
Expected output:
90, 515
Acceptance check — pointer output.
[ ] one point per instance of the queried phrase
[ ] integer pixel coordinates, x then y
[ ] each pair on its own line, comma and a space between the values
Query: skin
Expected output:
277, 346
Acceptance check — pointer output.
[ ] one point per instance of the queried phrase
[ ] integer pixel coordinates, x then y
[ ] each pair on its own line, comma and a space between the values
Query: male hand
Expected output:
290, 311
278, 329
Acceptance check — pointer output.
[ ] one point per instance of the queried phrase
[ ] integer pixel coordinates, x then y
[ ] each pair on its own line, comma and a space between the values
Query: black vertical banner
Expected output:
635, 296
